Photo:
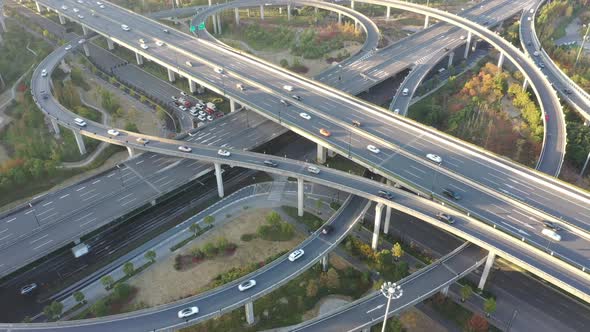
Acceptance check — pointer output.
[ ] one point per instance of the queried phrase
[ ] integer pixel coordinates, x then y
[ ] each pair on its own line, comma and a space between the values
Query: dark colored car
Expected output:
296, 97
551, 225
385, 194
327, 229
451, 194
356, 123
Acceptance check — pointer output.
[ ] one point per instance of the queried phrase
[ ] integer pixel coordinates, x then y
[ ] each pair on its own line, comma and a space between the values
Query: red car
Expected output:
218, 114
546, 117
209, 111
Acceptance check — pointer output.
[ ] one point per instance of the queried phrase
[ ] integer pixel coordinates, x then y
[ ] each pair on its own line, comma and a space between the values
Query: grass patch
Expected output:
311, 221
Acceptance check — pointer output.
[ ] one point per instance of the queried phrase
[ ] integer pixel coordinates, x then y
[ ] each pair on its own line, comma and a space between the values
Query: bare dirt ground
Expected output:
416, 321
162, 284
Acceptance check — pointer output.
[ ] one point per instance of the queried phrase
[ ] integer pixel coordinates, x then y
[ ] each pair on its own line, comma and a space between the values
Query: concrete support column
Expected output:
316, 10
237, 14
300, 197
86, 49
132, 152
171, 76
321, 156
331, 153
210, 3
232, 105
85, 30
288, 12
451, 56
219, 178
110, 44
467, 44
486, 269
214, 18
377, 226
325, 263
426, 20
62, 19
356, 25
339, 18
80, 142
250, 313
55, 126
219, 24
501, 61
388, 14
262, 12
387, 219
39, 8
2, 23
192, 85
525, 84
139, 59
445, 291
352, 4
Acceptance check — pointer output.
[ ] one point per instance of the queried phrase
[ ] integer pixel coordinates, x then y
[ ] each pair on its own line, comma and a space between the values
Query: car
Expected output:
187, 312
288, 87
27, 289
536, 53
567, 91
165, 31
462, 37
240, 86
188, 63
68, 47
356, 123
202, 113
223, 153
80, 16
76, 10
542, 65
174, 98
210, 118
198, 106
44, 72
101, 6
159, 43
194, 112
80, 1
144, 46
313, 169
396, 111
325, 132
64, 7
185, 148
184, 93
445, 217
201, 118
125, 27
80, 122
218, 70
295, 255
385, 194
142, 140
305, 116
270, 163
182, 108
247, 285
450, 193
405, 92
434, 158
141, 41
532, 10
99, 3
373, 148
327, 229
44, 94
113, 132
551, 234
547, 117
296, 97
284, 102
446, 49
81, 41
529, 18
551, 225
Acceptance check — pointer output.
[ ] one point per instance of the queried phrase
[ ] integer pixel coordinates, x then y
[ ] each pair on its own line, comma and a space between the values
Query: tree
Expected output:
195, 228
273, 218
100, 308
209, 220
397, 251
477, 324
318, 204
128, 269
53, 310
107, 281
312, 288
466, 292
150, 255
284, 63
130, 126
489, 306
79, 297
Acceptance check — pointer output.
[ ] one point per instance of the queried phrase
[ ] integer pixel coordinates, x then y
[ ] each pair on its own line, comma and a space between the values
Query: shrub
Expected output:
247, 237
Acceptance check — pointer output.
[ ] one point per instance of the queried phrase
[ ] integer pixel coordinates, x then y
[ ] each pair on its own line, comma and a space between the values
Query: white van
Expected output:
313, 169
551, 234
211, 106
405, 92
80, 122
288, 87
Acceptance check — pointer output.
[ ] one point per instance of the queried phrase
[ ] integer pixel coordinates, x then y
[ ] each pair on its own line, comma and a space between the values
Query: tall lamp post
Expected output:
390, 290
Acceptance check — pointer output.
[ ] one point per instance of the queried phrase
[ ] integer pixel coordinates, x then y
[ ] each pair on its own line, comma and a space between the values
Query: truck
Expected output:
80, 250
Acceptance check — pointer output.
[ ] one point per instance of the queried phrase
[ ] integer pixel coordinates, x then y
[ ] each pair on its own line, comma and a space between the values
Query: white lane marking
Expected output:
419, 170
450, 163
161, 179
455, 159
29, 211
4, 231
497, 177
166, 183
158, 159
522, 184
11, 220
128, 201
85, 216
153, 156
5, 237
411, 174
48, 203
87, 192
108, 176
525, 215
520, 222
95, 182
42, 213
41, 245
511, 194
49, 216
517, 229
139, 162
499, 207
80, 189
64, 196
376, 308
494, 182
41, 238
456, 187
91, 197
87, 222
122, 198
514, 188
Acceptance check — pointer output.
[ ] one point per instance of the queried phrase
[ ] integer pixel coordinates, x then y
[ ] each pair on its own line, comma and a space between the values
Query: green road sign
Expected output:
202, 26
193, 28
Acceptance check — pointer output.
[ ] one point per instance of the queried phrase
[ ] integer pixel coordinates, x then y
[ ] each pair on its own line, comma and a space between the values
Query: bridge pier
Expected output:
500, 61
132, 152
321, 154
445, 291
451, 56
339, 18
214, 18
85, 30
192, 85
288, 12
210, 3
110, 44
86, 49
139, 59
237, 15
300, 197
356, 25
352, 4
232, 105
80, 142
219, 24
525, 84
250, 313
171, 76
426, 20
262, 12
377, 226
219, 177
39, 7
55, 126
2, 23
486, 270
387, 219
325, 263
467, 44
388, 14
62, 19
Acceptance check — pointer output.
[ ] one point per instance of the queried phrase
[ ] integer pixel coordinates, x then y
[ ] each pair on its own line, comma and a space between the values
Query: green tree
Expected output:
100, 308
107, 281
273, 218
466, 292
195, 228
128, 269
284, 63
318, 204
130, 126
489, 306
397, 251
312, 288
209, 220
53, 310
150, 255
79, 296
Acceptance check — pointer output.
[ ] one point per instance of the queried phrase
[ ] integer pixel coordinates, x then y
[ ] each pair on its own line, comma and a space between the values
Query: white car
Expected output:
199, 107
125, 27
373, 148
80, 16
80, 1
247, 285
28, 289
218, 70
141, 41
64, 7
76, 10
80, 122
209, 118
183, 93
202, 117
551, 234
434, 158
68, 47
174, 98
188, 63
44, 72
529, 18
113, 132
462, 37
159, 43
313, 169
202, 113
223, 153
142, 140
184, 313
305, 116
295, 255
144, 46
99, 3
182, 108
81, 41
194, 112
536, 53
101, 6
396, 111
184, 148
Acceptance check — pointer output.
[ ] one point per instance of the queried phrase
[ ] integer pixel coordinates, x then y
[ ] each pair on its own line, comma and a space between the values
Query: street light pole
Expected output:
35, 214
582, 46
120, 176
390, 290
